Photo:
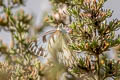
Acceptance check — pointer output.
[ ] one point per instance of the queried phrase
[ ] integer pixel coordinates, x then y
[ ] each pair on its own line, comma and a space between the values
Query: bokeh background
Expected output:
38, 8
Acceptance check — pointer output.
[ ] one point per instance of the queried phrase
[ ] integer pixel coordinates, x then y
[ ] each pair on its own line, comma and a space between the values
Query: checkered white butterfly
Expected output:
56, 45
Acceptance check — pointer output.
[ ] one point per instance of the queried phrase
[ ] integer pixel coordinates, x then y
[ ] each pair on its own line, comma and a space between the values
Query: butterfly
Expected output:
56, 45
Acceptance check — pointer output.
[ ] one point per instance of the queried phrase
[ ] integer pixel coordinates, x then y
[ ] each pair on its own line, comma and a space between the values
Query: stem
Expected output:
98, 65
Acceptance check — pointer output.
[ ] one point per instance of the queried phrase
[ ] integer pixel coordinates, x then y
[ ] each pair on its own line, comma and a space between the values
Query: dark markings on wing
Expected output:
37, 49
44, 39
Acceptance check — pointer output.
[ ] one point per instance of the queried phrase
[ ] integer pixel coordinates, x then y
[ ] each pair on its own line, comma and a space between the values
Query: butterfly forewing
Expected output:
58, 47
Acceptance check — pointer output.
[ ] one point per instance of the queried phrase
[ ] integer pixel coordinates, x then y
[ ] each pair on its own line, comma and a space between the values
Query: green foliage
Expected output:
91, 34
19, 64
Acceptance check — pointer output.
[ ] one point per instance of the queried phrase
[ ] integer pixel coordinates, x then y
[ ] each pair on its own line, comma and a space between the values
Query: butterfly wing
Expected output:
38, 47
58, 47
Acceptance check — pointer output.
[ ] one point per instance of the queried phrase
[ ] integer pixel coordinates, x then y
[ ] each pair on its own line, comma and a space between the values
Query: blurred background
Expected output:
38, 8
